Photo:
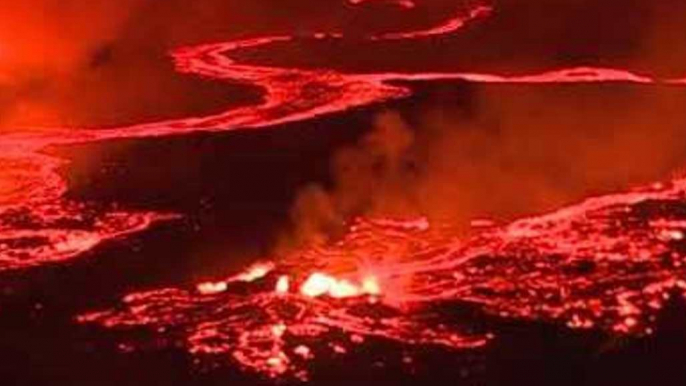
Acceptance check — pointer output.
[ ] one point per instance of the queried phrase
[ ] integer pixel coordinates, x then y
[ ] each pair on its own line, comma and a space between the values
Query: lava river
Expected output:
37, 225
609, 262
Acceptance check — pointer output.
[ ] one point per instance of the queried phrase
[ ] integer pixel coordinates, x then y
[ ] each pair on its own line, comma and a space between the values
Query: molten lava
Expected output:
319, 284
449, 26
37, 225
608, 263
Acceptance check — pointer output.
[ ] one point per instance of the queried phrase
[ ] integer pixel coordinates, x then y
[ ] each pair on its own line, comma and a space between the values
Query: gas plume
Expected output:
510, 152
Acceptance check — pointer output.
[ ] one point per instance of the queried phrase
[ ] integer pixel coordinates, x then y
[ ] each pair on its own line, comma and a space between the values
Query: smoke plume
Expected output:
514, 150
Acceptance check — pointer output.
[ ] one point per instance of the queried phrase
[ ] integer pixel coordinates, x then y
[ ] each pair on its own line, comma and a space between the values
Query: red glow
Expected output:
607, 263
407, 4
604, 263
449, 26
31, 190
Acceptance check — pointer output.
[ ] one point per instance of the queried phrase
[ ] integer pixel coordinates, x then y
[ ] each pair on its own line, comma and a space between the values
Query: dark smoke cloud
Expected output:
512, 151
370, 177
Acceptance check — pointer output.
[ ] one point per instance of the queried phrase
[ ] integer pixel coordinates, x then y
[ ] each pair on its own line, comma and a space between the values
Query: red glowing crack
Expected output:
607, 263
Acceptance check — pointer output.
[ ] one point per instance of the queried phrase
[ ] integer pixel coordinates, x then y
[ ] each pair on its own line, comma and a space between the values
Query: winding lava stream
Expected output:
608, 263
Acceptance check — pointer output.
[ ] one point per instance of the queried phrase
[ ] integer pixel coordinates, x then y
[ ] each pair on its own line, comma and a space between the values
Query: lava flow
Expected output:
609, 263
37, 225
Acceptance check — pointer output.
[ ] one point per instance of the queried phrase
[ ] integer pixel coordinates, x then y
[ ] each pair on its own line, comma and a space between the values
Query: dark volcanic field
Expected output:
234, 190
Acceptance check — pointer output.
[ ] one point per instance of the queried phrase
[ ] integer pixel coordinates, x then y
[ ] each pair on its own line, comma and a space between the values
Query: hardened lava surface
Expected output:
607, 263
